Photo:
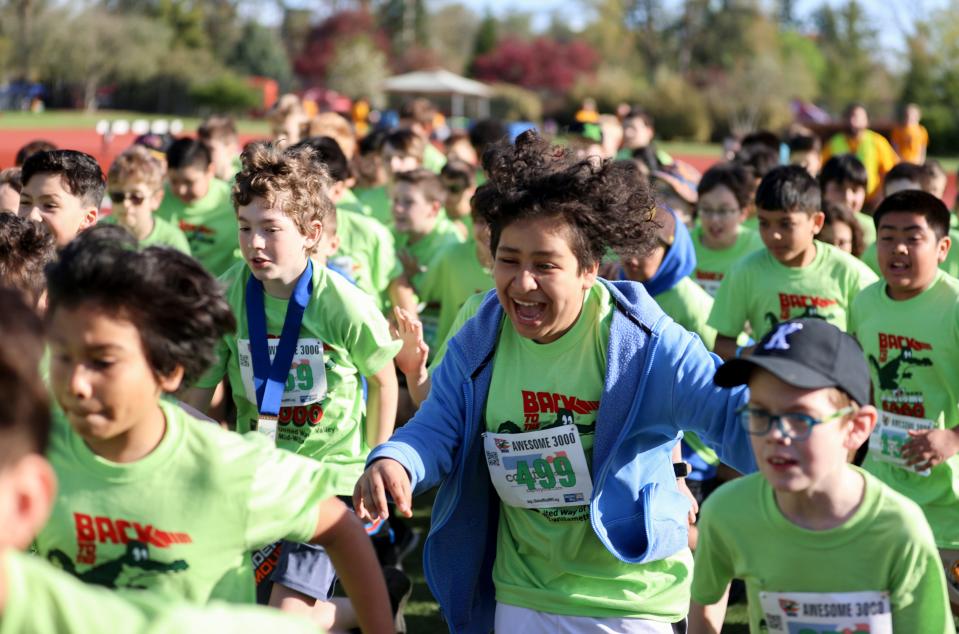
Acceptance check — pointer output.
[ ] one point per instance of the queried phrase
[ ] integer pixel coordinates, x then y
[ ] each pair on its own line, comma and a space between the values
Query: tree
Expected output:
102, 47
847, 42
541, 64
358, 68
260, 52
455, 28
312, 63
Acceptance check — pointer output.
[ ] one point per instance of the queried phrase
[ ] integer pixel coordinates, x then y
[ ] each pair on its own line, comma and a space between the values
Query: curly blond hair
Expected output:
291, 180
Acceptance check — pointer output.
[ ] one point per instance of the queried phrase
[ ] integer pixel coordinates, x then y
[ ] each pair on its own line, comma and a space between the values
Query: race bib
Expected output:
890, 434
306, 380
710, 286
822, 613
266, 425
539, 469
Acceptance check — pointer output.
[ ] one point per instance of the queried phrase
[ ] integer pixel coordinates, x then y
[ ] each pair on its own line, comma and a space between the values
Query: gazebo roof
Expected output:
436, 82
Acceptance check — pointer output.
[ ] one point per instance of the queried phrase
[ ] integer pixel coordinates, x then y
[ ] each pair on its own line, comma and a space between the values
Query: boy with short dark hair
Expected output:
62, 189
199, 204
843, 180
372, 178
905, 176
419, 116
794, 276
908, 325
806, 152
459, 181
31, 148
10, 187
822, 545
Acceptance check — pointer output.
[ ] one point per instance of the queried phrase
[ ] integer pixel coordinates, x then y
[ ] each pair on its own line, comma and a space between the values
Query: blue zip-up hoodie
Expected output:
659, 380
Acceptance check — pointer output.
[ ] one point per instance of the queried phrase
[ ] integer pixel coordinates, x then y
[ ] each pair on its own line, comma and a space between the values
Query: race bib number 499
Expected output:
539, 469
822, 613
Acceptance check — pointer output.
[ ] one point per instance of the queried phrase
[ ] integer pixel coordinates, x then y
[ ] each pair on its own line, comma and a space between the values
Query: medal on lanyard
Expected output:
269, 379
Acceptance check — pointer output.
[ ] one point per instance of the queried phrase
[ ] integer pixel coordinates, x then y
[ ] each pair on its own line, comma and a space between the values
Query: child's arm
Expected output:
349, 548
199, 398
381, 406
725, 347
411, 359
707, 619
402, 295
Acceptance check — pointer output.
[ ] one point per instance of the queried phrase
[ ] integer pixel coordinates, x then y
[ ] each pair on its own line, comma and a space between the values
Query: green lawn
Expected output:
77, 119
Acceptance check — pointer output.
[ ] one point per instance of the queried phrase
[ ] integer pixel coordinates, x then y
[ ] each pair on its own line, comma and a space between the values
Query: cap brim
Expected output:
737, 372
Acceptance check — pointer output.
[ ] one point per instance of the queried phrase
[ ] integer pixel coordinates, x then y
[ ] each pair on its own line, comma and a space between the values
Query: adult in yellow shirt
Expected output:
869, 147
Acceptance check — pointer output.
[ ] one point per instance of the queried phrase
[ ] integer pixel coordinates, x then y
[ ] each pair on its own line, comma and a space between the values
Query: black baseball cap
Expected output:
805, 353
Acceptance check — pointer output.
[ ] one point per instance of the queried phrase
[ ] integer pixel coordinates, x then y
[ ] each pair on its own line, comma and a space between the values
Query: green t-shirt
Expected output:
43, 600
433, 159
349, 202
550, 559
164, 234
469, 308
209, 224
912, 347
689, 305
377, 201
885, 546
763, 292
868, 228
367, 251
343, 336
180, 521
713, 264
950, 265
425, 250
453, 276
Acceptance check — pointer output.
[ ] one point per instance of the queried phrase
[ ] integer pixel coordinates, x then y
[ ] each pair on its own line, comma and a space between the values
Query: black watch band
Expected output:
681, 469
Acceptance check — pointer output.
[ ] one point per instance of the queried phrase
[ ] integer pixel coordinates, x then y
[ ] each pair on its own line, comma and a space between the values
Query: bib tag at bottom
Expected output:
890, 434
795, 612
539, 469
266, 425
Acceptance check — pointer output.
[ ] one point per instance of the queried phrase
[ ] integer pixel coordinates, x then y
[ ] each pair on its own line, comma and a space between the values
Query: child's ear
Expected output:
313, 233
90, 216
156, 199
33, 485
435, 207
170, 383
945, 243
860, 427
818, 220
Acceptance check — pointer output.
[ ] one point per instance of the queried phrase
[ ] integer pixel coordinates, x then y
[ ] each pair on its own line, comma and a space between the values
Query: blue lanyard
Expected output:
269, 380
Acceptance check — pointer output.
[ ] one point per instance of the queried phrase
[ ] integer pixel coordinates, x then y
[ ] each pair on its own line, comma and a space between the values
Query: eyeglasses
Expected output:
135, 198
796, 426
719, 214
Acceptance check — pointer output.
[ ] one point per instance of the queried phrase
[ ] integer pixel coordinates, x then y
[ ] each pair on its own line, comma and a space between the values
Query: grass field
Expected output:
79, 120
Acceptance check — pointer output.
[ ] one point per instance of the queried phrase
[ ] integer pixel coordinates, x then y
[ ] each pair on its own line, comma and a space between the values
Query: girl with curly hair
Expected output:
567, 394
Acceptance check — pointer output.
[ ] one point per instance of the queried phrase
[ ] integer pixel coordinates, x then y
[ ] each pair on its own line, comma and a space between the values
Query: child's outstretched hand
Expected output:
928, 447
385, 477
411, 359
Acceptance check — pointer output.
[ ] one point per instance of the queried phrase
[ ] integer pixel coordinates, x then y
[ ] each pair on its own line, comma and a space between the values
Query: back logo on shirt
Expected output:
536, 403
134, 564
810, 304
891, 372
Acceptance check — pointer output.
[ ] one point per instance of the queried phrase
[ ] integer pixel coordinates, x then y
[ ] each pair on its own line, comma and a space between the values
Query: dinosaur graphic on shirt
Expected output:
137, 555
892, 373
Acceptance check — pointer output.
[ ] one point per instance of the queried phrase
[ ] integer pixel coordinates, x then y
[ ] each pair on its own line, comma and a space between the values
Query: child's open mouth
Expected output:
529, 313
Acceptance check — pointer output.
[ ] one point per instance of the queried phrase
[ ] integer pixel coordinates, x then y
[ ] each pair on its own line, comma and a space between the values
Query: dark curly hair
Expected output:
26, 247
607, 205
176, 305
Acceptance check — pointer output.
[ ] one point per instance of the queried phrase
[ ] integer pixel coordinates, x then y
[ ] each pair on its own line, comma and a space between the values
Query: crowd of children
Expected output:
641, 391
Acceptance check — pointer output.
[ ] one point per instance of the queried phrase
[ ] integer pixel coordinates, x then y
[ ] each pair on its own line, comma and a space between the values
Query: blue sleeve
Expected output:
426, 446
698, 404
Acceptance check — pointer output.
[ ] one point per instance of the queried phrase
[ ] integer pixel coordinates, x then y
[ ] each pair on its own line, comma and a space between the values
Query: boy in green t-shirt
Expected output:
151, 497
794, 276
419, 115
135, 184
366, 248
36, 597
459, 180
422, 231
719, 237
843, 180
219, 133
199, 204
822, 545
908, 325
62, 189
372, 178
330, 335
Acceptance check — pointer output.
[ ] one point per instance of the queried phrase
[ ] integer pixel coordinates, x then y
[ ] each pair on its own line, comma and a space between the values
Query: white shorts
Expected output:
510, 619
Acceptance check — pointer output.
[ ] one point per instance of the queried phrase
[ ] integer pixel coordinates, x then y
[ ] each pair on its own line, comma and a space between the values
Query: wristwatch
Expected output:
681, 469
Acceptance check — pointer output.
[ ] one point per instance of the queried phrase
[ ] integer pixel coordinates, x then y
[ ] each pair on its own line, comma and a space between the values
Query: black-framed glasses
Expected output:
135, 198
793, 425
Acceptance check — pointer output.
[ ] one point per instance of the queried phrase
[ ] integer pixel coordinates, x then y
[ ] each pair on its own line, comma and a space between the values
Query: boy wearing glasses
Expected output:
822, 544
135, 187
908, 324
719, 237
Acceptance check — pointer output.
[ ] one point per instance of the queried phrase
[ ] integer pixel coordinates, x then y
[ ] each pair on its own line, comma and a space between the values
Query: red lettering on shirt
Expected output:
788, 301
101, 529
552, 402
888, 341
187, 227
708, 275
